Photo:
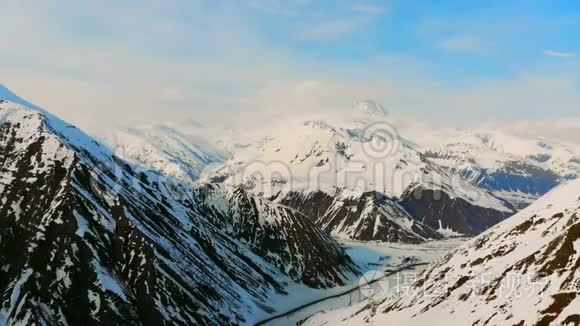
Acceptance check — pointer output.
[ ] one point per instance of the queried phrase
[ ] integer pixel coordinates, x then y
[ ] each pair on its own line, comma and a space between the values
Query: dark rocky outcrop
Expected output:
369, 216
87, 239
438, 210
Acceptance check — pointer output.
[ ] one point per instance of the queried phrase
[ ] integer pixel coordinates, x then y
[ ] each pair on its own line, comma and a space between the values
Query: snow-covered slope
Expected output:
502, 162
524, 271
87, 238
283, 237
451, 181
180, 151
346, 160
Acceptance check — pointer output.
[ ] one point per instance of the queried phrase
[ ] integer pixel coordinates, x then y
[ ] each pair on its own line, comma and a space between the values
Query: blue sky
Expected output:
446, 61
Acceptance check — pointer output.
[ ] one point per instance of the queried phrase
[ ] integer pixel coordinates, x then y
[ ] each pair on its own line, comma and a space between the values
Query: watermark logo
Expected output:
373, 285
381, 140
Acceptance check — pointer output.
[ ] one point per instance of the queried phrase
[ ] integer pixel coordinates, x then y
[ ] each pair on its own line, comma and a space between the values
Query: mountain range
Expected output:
524, 271
425, 184
180, 223
87, 238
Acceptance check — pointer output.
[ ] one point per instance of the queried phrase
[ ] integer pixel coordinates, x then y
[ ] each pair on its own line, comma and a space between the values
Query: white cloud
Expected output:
559, 54
330, 30
567, 130
467, 44
172, 94
369, 9
232, 75
276, 7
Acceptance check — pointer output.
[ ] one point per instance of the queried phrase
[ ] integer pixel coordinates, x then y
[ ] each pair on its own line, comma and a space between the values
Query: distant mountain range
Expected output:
184, 224
427, 184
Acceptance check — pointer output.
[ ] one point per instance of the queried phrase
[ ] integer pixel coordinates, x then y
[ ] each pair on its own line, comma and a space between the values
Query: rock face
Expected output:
286, 238
369, 216
462, 181
87, 239
511, 174
441, 211
519, 176
524, 271
355, 183
505, 163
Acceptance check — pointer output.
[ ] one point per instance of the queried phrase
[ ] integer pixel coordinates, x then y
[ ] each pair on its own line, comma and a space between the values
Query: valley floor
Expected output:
392, 263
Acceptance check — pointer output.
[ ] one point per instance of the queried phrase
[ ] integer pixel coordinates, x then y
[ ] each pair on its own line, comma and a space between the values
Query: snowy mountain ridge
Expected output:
454, 181
489, 158
348, 160
476, 172
90, 238
524, 271
181, 154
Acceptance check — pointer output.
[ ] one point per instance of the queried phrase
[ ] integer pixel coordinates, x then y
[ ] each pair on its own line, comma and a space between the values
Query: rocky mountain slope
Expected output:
502, 162
524, 271
337, 167
87, 238
450, 181
181, 151
370, 216
449, 214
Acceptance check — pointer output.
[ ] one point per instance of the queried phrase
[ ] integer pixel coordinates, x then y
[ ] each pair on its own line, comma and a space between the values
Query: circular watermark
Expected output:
381, 140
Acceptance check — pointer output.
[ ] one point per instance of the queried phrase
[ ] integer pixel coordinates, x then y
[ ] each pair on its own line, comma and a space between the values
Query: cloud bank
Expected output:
108, 64
559, 54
